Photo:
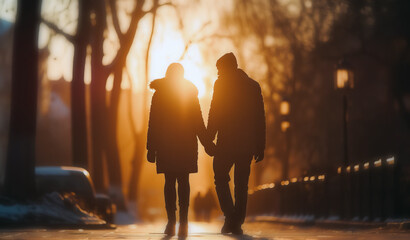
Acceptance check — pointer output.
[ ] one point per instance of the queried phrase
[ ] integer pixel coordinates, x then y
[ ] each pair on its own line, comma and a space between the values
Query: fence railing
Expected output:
369, 191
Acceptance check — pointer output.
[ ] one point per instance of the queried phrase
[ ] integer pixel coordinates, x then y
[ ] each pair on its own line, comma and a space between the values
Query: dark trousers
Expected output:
171, 197
222, 166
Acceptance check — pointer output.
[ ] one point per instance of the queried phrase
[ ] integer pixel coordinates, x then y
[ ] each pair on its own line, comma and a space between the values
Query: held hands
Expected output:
259, 156
151, 155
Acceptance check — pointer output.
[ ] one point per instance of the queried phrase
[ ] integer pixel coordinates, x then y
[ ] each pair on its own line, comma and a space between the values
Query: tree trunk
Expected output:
78, 109
20, 176
98, 96
139, 137
139, 148
113, 156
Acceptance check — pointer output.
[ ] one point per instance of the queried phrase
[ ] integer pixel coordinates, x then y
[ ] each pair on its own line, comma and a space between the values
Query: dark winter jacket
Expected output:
175, 122
237, 115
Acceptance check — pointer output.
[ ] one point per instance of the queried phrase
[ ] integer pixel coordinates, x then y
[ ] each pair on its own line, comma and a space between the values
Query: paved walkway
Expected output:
257, 231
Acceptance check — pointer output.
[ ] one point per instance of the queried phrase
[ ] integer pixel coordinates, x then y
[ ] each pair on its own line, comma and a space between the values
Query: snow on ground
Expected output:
52, 209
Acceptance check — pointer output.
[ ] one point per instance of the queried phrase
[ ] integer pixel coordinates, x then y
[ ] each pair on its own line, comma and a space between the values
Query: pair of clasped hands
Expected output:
210, 149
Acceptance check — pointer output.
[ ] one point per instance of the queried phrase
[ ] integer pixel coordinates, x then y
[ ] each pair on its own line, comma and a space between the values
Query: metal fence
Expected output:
369, 191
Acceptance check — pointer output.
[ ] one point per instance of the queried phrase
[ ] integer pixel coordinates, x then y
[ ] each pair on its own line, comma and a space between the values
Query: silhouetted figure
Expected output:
237, 115
198, 206
175, 122
203, 206
209, 204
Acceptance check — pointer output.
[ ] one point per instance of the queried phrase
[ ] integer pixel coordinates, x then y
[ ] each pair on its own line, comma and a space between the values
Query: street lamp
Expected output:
285, 125
344, 80
344, 76
284, 107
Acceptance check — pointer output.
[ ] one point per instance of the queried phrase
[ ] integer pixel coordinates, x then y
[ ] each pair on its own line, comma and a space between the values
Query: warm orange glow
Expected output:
168, 50
344, 78
285, 125
390, 161
284, 108
284, 183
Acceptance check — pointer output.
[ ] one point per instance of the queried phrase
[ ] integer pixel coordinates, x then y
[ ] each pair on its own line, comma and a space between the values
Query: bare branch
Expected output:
59, 11
127, 38
202, 39
192, 39
57, 30
156, 6
114, 17
148, 50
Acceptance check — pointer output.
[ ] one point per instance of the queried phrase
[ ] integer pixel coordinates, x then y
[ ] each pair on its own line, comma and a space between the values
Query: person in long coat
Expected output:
237, 118
175, 122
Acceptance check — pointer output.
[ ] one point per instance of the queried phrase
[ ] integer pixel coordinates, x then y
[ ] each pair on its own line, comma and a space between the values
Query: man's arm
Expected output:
201, 130
213, 113
260, 126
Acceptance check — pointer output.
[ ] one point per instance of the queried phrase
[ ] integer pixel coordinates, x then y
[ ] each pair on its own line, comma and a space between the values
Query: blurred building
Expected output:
53, 139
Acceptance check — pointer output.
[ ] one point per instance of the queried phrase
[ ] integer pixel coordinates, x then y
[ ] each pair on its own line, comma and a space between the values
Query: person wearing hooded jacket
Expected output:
237, 117
175, 122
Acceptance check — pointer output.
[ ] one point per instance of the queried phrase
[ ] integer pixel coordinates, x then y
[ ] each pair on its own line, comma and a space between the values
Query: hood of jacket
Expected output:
181, 86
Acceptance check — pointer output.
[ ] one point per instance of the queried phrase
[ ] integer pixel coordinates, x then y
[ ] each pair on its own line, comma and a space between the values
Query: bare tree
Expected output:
91, 30
140, 136
78, 102
80, 41
286, 34
103, 120
20, 181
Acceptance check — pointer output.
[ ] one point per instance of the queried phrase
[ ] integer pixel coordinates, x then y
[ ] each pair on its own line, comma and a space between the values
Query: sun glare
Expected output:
169, 49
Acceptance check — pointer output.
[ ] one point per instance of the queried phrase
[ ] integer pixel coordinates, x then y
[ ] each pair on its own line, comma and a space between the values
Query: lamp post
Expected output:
344, 80
285, 125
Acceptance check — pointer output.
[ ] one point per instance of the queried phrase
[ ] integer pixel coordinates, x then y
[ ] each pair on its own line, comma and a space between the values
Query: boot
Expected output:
237, 229
183, 223
183, 230
170, 228
226, 228
228, 224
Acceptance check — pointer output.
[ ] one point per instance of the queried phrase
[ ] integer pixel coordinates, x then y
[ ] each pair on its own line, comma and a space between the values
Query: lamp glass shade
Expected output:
344, 77
284, 108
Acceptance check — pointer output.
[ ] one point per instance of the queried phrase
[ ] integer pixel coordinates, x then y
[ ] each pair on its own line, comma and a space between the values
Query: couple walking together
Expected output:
236, 117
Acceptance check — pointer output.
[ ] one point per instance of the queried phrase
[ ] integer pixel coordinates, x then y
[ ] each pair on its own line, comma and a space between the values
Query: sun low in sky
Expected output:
169, 49
168, 46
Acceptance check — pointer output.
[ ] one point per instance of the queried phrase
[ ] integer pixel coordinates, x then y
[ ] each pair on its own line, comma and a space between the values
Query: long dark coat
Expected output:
175, 122
237, 115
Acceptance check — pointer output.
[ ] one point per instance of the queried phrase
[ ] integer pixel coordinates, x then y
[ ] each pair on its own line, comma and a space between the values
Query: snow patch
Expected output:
52, 209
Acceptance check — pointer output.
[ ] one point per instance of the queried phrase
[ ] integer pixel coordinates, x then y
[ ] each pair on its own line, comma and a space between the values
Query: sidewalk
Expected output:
399, 224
